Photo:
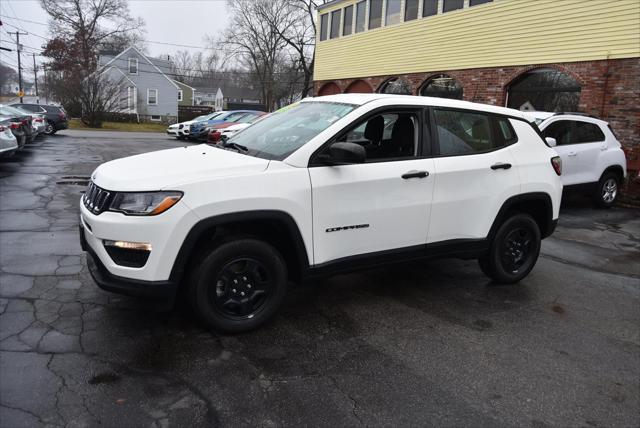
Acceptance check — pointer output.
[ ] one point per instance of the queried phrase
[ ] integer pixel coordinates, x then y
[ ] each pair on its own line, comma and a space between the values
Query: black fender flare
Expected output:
202, 226
538, 197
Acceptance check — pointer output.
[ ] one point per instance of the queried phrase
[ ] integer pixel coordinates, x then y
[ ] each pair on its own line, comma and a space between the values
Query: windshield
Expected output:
8, 110
286, 130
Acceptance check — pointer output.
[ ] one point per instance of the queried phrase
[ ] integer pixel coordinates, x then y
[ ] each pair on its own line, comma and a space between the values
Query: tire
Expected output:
180, 137
514, 250
606, 193
49, 128
221, 283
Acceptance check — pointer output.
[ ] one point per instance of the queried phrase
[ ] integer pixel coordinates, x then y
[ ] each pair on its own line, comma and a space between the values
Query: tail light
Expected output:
556, 163
15, 125
215, 135
25, 122
62, 116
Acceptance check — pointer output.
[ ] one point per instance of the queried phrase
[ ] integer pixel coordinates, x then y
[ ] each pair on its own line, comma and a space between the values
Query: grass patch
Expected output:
119, 126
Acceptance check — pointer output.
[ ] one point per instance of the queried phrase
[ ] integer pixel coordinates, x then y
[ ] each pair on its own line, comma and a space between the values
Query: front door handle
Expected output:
415, 174
572, 154
501, 165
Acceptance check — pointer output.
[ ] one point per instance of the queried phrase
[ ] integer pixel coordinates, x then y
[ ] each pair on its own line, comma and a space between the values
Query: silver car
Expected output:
8, 142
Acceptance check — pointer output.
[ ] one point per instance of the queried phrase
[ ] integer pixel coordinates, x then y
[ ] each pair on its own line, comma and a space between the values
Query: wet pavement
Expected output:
430, 343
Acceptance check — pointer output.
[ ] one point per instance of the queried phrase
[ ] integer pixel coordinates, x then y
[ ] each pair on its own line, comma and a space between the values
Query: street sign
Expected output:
21, 93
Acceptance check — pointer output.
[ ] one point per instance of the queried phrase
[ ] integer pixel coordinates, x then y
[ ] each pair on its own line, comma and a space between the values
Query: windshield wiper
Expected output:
236, 146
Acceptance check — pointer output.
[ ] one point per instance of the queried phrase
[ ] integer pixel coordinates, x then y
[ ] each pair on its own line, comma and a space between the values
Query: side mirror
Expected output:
551, 141
346, 153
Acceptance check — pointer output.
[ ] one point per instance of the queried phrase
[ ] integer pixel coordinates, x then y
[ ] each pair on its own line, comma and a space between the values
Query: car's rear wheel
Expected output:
514, 250
607, 191
238, 285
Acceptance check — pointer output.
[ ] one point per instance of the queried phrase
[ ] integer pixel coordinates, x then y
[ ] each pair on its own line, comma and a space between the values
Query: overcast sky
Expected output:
184, 22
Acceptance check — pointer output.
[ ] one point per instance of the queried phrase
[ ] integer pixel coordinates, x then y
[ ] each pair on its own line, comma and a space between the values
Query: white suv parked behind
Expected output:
322, 186
592, 157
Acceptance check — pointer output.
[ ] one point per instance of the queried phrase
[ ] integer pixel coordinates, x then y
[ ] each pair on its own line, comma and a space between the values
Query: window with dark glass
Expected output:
396, 86
375, 14
387, 136
361, 8
465, 132
335, 24
544, 89
561, 131
586, 132
348, 20
449, 5
324, 20
392, 13
429, 7
442, 86
477, 2
410, 10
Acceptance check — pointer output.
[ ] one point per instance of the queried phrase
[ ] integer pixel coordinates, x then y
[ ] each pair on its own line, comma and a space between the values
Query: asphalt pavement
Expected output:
429, 343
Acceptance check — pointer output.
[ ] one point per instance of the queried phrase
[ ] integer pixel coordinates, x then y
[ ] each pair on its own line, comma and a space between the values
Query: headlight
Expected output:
147, 203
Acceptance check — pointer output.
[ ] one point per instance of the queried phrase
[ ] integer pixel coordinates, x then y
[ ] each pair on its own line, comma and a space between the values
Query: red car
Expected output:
215, 134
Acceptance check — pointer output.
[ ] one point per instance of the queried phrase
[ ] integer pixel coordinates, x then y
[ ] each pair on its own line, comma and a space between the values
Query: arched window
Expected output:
395, 85
329, 88
442, 86
358, 86
544, 89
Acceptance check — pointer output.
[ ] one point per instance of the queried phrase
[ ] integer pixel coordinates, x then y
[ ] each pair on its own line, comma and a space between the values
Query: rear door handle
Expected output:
501, 165
415, 174
572, 154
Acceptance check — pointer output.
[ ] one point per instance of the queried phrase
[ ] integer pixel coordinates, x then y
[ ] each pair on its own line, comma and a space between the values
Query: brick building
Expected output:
569, 55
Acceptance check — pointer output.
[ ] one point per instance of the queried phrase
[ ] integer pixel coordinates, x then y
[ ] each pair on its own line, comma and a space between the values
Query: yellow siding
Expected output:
502, 33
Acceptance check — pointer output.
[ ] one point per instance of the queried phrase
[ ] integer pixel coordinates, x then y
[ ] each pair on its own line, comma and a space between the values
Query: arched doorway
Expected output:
359, 87
544, 89
396, 85
329, 88
442, 86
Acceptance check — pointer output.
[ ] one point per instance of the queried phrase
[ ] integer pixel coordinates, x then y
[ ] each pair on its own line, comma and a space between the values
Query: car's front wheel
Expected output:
513, 251
238, 285
49, 128
607, 191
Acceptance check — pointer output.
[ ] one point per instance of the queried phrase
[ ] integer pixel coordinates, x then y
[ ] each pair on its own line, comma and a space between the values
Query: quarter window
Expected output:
152, 96
449, 5
392, 15
568, 132
324, 20
375, 14
133, 65
348, 20
410, 10
360, 15
465, 132
387, 136
335, 24
429, 7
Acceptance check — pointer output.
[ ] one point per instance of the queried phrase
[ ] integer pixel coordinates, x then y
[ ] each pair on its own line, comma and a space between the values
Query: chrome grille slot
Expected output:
96, 199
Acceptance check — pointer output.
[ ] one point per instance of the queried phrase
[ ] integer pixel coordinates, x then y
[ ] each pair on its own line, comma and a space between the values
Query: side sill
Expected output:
457, 248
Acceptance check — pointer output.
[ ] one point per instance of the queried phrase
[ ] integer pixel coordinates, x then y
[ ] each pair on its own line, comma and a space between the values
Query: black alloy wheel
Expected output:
238, 285
514, 250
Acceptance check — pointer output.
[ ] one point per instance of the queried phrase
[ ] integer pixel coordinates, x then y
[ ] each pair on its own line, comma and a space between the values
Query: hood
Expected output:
237, 127
166, 168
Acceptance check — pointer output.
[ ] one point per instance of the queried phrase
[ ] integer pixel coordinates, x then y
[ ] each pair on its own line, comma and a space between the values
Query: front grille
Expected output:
96, 199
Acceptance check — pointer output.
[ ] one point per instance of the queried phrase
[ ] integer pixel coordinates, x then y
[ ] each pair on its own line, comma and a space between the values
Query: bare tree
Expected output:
101, 94
297, 27
254, 42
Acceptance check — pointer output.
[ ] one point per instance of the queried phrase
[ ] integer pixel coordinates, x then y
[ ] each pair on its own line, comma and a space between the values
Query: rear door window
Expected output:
466, 132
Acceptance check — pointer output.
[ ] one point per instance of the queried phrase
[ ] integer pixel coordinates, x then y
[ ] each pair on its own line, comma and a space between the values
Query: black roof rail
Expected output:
576, 113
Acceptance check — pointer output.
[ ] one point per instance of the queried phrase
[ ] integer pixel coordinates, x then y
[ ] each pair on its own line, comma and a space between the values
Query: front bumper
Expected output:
117, 284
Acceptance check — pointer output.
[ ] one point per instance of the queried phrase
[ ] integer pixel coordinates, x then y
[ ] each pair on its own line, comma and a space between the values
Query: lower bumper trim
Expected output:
165, 290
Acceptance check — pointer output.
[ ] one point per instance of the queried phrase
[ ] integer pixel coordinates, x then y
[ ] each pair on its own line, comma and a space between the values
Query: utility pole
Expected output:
35, 77
19, 48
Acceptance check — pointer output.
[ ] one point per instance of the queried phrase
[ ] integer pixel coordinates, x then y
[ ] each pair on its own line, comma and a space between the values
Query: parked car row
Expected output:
20, 124
209, 127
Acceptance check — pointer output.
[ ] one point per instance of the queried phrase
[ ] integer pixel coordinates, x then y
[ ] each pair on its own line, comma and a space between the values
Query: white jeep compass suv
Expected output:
322, 186
592, 156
